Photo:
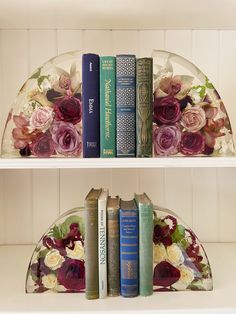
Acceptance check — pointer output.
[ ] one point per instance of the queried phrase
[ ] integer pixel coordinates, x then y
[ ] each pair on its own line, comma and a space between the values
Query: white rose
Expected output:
186, 277
53, 259
174, 254
159, 253
49, 281
77, 253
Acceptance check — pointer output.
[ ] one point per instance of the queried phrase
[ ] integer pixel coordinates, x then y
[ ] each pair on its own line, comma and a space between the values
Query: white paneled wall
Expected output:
31, 199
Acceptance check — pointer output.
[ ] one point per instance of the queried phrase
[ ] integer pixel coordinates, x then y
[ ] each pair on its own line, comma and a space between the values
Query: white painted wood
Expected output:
219, 301
69, 40
125, 42
125, 183
149, 40
2, 210
179, 41
95, 41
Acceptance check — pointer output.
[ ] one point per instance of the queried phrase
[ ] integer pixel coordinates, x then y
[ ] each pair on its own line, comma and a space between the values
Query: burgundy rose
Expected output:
166, 110
72, 274
67, 139
166, 140
42, 145
68, 109
192, 143
165, 274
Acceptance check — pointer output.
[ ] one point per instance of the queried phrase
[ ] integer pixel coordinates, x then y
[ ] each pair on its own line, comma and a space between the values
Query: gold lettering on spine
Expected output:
107, 108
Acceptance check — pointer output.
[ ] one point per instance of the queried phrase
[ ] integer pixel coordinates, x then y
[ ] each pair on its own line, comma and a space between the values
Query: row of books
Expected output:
118, 245
117, 102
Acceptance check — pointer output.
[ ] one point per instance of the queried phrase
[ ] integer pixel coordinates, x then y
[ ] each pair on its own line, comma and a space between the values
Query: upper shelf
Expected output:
164, 162
122, 14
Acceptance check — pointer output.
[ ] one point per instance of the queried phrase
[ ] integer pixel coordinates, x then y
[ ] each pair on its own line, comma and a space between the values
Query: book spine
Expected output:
145, 249
125, 101
107, 107
102, 248
91, 110
144, 103
91, 249
113, 248
129, 253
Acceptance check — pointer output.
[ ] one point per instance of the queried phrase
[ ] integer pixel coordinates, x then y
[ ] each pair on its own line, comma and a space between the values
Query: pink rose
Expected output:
67, 139
192, 143
41, 119
166, 140
166, 110
42, 145
68, 109
193, 119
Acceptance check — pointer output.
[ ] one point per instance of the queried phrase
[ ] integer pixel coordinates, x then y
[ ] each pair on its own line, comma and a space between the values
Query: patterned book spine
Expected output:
91, 110
102, 244
125, 100
107, 107
144, 103
129, 252
113, 248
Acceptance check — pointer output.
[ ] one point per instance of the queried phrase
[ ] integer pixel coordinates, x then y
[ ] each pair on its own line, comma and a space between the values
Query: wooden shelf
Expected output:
14, 262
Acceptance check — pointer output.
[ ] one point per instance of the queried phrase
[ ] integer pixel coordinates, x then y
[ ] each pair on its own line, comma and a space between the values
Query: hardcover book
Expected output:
125, 105
102, 244
144, 103
107, 106
91, 244
113, 246
129, 248
91, 110
145, 244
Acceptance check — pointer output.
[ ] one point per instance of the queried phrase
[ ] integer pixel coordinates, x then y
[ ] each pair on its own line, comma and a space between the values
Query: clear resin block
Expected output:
58, 262
45, 118
189, 117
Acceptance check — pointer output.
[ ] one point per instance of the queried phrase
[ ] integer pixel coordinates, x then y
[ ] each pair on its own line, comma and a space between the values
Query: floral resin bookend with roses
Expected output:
189, 117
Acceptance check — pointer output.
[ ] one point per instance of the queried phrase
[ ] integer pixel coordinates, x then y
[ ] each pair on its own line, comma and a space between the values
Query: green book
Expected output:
107, 106
145, 244
144, 103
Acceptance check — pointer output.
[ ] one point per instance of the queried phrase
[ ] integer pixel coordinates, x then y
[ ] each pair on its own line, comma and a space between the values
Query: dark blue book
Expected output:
91, 108
125, 105
129, 249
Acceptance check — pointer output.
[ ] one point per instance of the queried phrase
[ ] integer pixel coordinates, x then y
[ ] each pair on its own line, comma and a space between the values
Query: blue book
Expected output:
129, 249
125, 102
91, 109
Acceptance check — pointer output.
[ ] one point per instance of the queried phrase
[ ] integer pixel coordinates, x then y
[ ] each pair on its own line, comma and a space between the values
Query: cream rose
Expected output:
49, 281
186, 277
77, 253
53, 259
159, 252
41, 118
193, 118
174, 254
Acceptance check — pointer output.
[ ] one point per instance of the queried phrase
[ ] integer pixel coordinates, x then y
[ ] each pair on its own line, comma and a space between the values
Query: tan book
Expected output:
91, 244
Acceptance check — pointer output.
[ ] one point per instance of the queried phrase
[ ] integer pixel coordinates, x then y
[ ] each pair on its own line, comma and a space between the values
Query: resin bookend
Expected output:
189, 117
58, 261
45, 118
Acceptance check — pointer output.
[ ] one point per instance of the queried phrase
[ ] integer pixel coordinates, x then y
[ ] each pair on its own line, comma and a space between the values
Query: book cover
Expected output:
129, 248
113, 246
102, 243
91, 244
107, 106
91, 109
144, 103
125, 105
145, 244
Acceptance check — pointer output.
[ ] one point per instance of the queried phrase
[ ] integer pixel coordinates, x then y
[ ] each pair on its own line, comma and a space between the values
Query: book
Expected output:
90, 101
107, 106
129, 248
113, 246
102, 243
145, 208
91, 244
144, 104
125, 105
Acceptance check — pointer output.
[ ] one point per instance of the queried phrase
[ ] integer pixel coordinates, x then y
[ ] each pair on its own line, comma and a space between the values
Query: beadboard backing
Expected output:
31, 199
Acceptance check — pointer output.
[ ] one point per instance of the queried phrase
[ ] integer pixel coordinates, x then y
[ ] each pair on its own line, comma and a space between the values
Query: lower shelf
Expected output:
14, 262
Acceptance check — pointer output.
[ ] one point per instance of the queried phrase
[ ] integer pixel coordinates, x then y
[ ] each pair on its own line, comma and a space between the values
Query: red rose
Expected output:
166, 110
192, 143
72, 275
165, 274
68, 109
42, 145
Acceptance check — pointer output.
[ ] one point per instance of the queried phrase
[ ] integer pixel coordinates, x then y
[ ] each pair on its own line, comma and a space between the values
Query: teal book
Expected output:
107, 106
145, 208
144, 103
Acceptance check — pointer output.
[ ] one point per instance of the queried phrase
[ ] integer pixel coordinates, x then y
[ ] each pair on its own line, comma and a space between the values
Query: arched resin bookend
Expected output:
58, 261
45, 118
189, 117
